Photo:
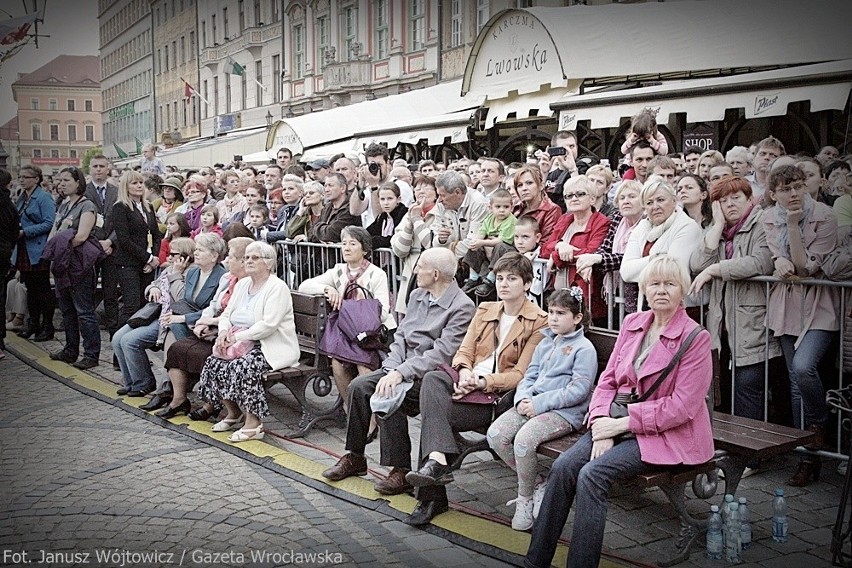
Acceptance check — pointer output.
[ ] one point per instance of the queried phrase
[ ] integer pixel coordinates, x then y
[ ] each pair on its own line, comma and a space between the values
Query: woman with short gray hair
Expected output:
257, 334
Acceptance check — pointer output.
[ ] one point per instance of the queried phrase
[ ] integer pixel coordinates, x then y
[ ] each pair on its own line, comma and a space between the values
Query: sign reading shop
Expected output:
516, 54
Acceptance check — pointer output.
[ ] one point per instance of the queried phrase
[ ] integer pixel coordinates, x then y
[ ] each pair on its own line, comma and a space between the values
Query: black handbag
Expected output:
182, 307
145, 315
618, 407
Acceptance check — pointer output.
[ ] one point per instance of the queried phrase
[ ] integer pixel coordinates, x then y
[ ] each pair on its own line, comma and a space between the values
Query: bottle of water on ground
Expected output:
745, 523
733, 544
779, 517
714, 534
724, 511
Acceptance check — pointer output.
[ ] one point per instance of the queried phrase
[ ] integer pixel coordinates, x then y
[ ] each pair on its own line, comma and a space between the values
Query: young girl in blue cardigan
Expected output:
550, 401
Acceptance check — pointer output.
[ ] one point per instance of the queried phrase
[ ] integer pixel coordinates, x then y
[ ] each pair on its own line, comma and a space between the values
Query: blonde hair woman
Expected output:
134, 257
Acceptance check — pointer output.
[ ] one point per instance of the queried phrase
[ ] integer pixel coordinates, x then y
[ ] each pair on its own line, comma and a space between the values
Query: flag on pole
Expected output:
189, 90
15, 30
236, 68
138, 145
121, 153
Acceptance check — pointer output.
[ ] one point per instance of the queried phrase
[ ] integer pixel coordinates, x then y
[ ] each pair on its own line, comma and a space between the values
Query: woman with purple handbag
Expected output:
358, 280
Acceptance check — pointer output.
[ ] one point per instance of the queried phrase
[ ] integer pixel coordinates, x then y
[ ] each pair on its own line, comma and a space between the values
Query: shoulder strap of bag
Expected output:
677, 357
353, 287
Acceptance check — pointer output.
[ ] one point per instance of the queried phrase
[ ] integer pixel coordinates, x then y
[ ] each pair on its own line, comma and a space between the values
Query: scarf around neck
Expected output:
779, 219
730, 230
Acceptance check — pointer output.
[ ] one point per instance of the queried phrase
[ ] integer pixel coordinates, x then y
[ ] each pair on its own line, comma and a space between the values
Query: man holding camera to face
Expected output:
364, 201
557, 164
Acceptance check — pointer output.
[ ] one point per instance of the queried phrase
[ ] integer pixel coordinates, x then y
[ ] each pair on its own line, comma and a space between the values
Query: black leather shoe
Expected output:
115, 366
470, 285
85, 363
159, 401
432, 473
201, 413
28, 332
139, 393
122, 391
45, 335
425, 511
63, 356
171, 412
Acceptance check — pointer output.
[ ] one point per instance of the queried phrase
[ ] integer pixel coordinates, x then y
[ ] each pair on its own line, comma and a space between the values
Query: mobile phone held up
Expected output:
556, 151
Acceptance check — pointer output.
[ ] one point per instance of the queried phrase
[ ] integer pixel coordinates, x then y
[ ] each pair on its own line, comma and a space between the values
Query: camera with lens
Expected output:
374, 168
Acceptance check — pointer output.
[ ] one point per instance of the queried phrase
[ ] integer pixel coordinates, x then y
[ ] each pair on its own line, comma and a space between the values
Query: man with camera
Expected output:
557, 164
364, 201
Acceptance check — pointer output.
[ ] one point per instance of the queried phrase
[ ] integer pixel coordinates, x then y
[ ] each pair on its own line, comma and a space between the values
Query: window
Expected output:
258, 90
87, 105
72, 132
243, 91
213, 35
192, 46
227, 92
381, 49
455, 23
298, 51
174, 54
417, 26
258, 20
166, 62
206, 96
349, 25
54, 153
52, 104
203, 34
276, 78
322, 40
276, 14
34, 104
482, 12
216, 95
242, 13
36, 152
54, 132
225, 23
90, 133
182, 50
36, 131
72, 153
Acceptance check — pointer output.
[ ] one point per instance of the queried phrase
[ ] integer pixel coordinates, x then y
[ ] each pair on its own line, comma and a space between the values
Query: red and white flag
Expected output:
14, 30
189, 91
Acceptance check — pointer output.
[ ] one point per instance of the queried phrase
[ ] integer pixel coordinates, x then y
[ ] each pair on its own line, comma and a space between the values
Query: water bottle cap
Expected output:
729, 498
779, 492
714, 508
735, 506
742, 500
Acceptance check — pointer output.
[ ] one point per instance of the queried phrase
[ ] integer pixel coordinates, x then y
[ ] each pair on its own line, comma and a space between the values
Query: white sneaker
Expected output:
523, 518
538, 497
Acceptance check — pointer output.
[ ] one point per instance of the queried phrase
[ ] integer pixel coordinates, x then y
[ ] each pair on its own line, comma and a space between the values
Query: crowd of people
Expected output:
503, 265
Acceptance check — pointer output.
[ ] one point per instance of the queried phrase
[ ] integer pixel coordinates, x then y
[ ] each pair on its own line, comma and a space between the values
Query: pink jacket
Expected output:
673, 426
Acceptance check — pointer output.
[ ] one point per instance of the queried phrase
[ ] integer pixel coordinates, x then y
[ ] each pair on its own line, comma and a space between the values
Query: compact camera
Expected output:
374, 168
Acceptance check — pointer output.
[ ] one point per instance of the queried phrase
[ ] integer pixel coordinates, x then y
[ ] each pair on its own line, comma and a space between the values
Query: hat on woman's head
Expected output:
175, 183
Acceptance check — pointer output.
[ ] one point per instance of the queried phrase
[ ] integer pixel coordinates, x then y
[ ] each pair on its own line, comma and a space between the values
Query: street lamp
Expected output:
268, 118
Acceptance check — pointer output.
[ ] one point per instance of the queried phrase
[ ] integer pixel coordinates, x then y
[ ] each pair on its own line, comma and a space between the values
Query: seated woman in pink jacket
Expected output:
671, 427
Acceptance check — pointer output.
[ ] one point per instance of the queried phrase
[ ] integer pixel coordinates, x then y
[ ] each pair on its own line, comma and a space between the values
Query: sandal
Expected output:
227, 424
244, 435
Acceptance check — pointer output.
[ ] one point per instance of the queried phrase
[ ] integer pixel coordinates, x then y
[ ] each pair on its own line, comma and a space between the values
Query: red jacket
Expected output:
547, 214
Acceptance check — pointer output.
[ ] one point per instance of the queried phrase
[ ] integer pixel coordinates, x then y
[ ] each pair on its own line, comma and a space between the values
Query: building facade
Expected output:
59, 113
175, 53
127, 74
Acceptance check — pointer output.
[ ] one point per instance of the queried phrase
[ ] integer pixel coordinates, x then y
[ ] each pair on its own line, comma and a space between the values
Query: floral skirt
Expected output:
239, 380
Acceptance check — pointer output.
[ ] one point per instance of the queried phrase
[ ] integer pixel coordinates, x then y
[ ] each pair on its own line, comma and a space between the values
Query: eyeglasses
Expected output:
798, 186
254, 257
578, 195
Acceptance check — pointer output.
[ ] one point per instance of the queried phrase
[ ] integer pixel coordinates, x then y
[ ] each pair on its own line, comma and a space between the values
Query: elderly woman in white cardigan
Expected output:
666, 229
340, 282
257, 334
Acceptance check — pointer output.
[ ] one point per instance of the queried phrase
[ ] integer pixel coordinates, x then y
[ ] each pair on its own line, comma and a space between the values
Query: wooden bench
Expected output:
737, 441
313, 370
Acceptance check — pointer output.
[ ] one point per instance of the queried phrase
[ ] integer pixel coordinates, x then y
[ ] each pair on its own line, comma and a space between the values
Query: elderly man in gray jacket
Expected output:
436, 321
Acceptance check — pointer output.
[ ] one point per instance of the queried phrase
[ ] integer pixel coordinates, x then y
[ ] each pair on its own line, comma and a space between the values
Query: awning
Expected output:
212, 150
761, 94
350, 148
343, 123
434, 130
524, 50
516, 106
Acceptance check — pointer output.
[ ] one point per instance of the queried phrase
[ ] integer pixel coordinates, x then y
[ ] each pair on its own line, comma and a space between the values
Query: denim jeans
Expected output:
573, 476
805, 383
129, 345
77, 304
749, 391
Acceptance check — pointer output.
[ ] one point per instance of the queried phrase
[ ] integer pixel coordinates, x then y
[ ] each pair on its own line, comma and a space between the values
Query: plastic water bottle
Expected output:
779, 517
714, 534
725, 511
745, 523
733, 542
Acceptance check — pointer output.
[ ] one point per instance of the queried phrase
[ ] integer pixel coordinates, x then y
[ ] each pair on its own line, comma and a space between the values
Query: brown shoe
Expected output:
347, 466
394, 483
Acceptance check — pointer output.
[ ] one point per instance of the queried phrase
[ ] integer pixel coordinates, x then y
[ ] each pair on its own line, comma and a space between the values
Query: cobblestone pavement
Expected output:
641, 526
81, 475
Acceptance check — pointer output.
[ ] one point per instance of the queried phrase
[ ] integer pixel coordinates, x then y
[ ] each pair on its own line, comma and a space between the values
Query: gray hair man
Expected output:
458, 213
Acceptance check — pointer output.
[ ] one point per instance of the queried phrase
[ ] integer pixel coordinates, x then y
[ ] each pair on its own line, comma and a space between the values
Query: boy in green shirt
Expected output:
498, 226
